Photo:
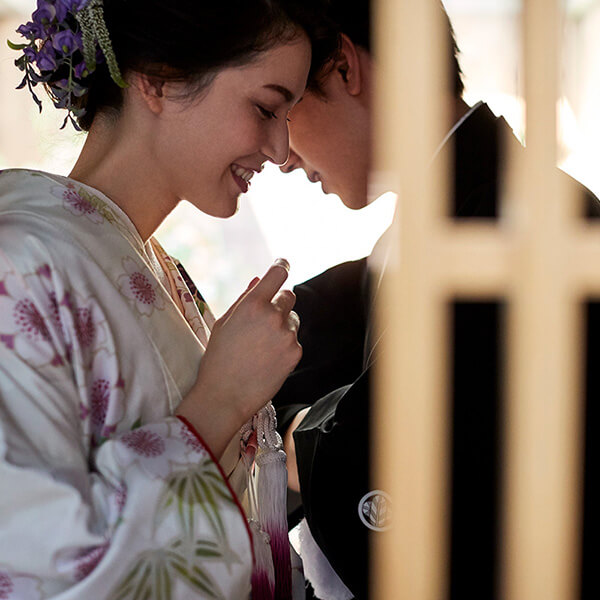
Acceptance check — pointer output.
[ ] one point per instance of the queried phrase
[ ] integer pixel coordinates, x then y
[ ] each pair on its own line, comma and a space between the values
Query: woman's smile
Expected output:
242, 176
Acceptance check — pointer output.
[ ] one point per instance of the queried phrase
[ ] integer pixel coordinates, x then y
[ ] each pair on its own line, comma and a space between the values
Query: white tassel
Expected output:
263, 575
271, 497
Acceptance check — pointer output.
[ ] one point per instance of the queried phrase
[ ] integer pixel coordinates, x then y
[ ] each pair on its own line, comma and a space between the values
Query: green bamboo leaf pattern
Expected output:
201, 489
207, 502
153, 574
220, 489
207, 549
191, 571
149, 579
221, 550
204, 582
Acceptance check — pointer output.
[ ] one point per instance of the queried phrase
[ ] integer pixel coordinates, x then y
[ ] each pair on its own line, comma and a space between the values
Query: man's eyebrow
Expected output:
289, 97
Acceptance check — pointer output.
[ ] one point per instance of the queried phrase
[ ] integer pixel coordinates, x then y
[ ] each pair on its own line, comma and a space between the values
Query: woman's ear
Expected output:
151, 91
348, 66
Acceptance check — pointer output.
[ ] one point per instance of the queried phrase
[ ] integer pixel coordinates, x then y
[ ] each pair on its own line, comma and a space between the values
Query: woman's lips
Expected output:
241, 182
242, 176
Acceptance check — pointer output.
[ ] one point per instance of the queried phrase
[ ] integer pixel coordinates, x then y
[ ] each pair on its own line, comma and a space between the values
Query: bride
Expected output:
119, 392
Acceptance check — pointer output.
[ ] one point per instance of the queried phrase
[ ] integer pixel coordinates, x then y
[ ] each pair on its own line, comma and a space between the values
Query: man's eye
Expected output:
268, 114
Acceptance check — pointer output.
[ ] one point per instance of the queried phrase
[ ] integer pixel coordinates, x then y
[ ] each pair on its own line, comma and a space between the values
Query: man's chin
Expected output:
357, 206
354, 200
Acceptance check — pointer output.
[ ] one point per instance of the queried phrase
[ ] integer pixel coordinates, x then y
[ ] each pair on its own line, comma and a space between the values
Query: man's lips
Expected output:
315, 177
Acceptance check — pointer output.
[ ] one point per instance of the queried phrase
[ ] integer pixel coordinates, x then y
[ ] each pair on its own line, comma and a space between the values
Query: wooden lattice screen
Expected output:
540, 258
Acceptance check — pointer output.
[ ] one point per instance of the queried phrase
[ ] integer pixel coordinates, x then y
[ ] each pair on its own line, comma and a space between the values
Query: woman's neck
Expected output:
117, 161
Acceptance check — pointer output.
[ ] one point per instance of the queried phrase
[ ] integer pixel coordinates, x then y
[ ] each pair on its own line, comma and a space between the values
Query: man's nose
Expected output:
293, 162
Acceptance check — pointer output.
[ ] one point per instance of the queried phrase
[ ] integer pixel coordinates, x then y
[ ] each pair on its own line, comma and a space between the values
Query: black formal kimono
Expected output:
332, 444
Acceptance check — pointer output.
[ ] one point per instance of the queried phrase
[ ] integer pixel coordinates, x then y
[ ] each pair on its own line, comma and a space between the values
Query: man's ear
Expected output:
349, 67
151, 91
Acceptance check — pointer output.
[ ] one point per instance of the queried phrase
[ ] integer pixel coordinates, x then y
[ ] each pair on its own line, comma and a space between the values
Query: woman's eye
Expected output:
268, 114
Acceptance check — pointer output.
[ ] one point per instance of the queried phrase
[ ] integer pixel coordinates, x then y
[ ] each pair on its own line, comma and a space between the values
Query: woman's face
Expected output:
211, 147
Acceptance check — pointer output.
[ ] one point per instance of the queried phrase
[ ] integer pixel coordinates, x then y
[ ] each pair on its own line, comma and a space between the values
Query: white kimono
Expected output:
103, 493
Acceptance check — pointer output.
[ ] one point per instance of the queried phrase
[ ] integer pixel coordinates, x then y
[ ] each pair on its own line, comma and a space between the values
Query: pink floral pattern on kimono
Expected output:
85, 328
152, 448
87, 560
78, 563
25, 322
15, 586
6, 586
104, 406
137, 285
86, 324
76, 204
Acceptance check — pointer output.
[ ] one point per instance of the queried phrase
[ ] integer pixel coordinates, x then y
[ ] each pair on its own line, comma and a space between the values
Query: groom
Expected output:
323, 408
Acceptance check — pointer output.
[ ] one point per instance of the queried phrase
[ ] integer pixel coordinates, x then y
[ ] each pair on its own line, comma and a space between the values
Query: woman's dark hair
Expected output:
191, 40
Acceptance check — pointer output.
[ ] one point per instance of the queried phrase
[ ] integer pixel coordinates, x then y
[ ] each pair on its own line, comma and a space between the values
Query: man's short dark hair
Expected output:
353, 17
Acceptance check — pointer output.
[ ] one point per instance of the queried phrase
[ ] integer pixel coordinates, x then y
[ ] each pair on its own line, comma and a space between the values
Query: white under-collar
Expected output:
380, 255
381, 258
456, 126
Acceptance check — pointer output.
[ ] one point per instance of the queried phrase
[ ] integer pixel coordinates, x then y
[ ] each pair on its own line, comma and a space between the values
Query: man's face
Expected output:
330, 140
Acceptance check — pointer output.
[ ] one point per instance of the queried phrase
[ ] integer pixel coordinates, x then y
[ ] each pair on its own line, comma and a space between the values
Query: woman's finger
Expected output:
230, 310
273, 279
284, 301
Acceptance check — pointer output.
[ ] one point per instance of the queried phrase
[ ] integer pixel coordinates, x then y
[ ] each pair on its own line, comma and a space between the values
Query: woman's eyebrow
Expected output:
289, 97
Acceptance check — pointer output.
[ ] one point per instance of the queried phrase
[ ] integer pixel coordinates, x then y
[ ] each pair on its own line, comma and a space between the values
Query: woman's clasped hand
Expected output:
252, 349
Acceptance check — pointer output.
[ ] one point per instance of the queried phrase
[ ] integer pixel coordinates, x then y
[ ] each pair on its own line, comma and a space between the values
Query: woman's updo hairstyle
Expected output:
189, 41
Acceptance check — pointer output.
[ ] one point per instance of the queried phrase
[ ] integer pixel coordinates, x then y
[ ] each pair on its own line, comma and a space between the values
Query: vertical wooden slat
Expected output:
541, 474
539, 259
410, 420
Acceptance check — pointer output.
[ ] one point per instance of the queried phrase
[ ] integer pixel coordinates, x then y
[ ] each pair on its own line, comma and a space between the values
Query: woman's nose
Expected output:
277, 148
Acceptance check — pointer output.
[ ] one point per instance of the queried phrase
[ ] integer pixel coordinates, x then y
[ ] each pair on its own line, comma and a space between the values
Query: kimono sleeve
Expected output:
144, 513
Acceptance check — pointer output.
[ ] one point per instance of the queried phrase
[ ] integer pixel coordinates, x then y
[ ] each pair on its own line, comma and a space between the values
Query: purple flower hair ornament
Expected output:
66, 39
46, 58
31, 31
45, 13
